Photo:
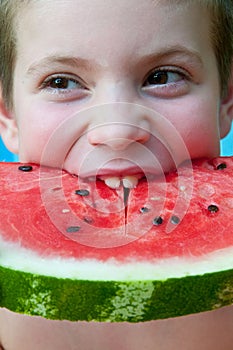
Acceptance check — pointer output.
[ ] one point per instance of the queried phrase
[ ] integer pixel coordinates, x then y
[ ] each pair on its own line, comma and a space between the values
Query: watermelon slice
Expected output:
79, 250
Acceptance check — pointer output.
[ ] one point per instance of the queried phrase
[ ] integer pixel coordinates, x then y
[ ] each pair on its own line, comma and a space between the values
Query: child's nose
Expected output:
118, 131
117, 136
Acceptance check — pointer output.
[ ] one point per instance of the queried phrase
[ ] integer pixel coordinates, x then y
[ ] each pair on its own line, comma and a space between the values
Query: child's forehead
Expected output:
104, 5
106, 16
124, 34
110, 12
111, 23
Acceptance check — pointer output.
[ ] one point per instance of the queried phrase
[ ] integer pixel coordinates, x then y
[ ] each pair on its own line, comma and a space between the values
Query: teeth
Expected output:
130, 181
113, 182
116, 181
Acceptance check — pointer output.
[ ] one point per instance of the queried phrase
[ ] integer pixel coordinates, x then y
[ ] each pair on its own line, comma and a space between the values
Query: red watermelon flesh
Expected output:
43, 212
77, 250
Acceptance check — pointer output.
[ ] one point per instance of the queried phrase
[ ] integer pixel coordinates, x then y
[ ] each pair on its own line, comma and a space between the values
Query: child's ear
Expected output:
8, 127
226, 110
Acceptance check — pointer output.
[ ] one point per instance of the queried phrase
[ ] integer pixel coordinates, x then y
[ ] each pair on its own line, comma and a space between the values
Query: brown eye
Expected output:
158, 78
62, 83
64, 87
163, 77
59, 83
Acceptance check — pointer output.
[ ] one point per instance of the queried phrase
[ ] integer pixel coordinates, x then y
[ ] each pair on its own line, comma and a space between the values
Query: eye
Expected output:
167, 82
61, 83
64, 87
163, 77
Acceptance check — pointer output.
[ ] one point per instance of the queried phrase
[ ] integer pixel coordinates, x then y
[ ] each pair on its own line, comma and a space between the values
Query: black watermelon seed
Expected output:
72, 229
25, 168
175, 220
88, 220
144, 210
83, 193
157, 221
213, 208
221, 166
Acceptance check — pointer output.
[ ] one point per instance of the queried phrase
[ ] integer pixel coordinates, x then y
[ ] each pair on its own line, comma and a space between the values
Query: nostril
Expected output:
119, 144
118, 136
114, 143
95, 137
143, 136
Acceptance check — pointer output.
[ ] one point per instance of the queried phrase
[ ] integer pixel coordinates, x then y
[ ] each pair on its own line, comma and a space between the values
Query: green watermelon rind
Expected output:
131, 290
61, 289
113, 301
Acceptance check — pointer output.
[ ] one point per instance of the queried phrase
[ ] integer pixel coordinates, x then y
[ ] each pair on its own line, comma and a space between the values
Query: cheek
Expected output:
47, 132
194, 122
31, 144
76, 160
199, 128
36, 126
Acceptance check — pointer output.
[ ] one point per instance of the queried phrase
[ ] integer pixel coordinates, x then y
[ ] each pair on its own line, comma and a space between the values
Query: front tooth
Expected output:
113, 182
130, 181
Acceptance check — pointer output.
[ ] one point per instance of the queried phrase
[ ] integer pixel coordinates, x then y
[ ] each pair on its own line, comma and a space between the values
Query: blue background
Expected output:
226, 149
227, 144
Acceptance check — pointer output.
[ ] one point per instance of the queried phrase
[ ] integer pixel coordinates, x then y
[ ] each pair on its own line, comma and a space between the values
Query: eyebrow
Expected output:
91, 65
52, 60
176, 51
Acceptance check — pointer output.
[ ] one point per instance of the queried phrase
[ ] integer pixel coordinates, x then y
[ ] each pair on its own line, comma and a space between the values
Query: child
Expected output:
95, 80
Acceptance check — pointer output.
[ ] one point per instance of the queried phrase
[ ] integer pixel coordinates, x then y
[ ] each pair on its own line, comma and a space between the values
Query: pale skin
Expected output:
205, 331
143, 56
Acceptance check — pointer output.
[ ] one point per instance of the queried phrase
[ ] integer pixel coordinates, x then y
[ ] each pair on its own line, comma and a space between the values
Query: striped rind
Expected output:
107, 291
133, 288
113, 301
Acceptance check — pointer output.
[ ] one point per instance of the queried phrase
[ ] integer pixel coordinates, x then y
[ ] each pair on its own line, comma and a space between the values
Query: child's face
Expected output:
73, 55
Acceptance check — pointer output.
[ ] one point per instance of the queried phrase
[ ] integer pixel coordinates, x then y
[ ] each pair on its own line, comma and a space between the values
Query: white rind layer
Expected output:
18, 258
